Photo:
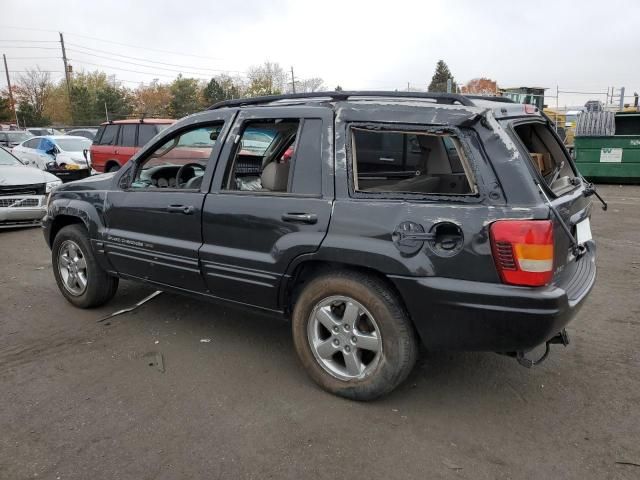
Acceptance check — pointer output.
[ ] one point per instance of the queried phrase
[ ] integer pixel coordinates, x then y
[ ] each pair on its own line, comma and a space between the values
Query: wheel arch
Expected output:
110, 163
306, 269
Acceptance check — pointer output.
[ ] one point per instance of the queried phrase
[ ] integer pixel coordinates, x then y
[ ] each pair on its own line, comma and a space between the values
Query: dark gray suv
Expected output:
373, 220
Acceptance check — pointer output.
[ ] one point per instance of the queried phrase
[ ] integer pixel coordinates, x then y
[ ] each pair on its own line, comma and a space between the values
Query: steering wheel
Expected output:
182, 169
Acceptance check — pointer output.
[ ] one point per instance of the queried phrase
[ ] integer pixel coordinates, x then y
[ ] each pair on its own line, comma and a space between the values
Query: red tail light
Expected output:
523, 251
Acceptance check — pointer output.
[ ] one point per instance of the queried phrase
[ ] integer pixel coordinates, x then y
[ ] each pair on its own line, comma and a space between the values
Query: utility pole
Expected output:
66, 74
293, 81
13, 105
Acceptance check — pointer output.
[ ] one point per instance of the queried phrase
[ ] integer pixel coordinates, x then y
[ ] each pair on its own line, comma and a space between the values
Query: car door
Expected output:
254, 226
102, 150
153, 225
28, 152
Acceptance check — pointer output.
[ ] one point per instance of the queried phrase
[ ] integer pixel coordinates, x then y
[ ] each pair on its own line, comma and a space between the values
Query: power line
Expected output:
34, 48
153, 66
142, 48
133, 71
29, 41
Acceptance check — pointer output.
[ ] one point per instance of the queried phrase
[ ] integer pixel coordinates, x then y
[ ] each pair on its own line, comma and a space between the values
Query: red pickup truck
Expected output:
117, 141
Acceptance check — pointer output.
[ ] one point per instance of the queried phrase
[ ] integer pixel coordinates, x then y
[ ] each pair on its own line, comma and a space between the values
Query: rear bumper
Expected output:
452, 314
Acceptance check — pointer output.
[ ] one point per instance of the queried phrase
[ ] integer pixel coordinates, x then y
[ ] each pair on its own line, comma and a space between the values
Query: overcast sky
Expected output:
579, 45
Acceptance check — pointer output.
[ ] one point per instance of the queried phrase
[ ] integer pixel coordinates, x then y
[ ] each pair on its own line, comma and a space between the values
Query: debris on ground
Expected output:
205, 340
450, 465
133, 307
155, 360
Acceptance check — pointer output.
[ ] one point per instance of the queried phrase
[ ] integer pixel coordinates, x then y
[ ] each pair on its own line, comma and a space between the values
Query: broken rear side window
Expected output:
409, 162
547, 156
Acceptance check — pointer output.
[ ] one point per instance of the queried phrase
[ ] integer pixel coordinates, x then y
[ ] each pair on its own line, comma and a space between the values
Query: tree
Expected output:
266, 79
213, 92
6, 114
480, 86
440, 77
314, 84
93, 94
152, 99
338, 88
58, 109
185, 97
33, 93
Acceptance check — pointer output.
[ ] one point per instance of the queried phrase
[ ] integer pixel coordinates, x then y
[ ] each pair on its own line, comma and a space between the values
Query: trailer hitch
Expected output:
561, 338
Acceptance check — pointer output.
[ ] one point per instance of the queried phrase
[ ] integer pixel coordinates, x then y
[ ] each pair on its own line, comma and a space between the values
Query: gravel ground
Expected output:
86, 400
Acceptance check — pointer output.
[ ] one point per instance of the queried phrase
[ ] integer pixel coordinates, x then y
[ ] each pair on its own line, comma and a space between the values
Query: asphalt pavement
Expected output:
184, 389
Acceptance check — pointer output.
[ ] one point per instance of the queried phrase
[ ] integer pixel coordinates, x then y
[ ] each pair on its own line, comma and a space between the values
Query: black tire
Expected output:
399, 346
100, 286
114, 167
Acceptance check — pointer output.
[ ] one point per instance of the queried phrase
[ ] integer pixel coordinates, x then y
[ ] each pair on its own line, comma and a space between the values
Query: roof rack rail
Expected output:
442, 98
490, 98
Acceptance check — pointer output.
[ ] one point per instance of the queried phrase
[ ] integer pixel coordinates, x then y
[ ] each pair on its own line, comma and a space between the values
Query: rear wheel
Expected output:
80, 278
114, 167
353, 336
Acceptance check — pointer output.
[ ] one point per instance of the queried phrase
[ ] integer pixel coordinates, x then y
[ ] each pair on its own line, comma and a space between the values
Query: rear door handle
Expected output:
184, 209
310, 218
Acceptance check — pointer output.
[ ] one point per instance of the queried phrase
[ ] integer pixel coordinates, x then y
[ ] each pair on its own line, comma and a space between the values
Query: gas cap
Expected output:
409, 237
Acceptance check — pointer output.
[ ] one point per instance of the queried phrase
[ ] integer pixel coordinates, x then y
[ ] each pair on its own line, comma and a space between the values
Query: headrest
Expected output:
275, 177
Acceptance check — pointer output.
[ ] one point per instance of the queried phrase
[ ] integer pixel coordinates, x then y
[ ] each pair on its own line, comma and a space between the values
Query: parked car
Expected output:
117, 141
89, 133
61, 155
12, 138
42, 131
23, 192
397, 218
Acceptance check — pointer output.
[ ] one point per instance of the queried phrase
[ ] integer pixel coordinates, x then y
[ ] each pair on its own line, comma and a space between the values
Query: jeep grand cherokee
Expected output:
373, 220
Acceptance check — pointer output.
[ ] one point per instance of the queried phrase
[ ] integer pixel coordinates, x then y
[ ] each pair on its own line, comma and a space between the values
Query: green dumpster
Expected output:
607, 154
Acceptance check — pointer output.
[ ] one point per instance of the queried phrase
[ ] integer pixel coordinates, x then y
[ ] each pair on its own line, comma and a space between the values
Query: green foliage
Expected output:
220, 88
29, 116
6, 115
93, 94
440, 77
185, 99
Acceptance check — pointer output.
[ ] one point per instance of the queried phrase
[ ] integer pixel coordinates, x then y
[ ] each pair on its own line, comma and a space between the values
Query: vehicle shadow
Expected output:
454, 379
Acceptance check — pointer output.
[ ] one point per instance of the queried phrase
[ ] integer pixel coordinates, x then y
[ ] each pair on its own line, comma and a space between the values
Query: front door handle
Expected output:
184, 209
310, 218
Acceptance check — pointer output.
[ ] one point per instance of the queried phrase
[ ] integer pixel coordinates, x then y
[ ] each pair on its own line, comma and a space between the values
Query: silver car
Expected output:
23, 192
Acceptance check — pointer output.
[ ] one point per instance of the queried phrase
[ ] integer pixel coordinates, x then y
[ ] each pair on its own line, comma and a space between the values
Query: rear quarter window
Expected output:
393, 161
146, 132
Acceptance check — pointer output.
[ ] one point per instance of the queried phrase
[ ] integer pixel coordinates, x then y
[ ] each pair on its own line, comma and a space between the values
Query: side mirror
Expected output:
52, 151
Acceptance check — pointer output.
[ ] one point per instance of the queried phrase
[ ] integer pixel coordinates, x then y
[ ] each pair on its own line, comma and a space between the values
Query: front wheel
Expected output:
353, 336
80, 278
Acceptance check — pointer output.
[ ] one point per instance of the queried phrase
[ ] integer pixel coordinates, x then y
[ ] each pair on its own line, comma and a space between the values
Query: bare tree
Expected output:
310, 85
266, 79
34, 89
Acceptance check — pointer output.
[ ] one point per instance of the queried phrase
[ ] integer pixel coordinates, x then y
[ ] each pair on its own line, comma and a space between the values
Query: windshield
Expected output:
73, 144
18, 137
7, 159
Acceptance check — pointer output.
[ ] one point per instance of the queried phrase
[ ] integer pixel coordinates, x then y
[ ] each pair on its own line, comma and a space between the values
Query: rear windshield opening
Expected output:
410, 162
547, 156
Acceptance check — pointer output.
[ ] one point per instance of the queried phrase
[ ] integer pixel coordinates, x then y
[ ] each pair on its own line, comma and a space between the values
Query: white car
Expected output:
63, 151
23, 192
